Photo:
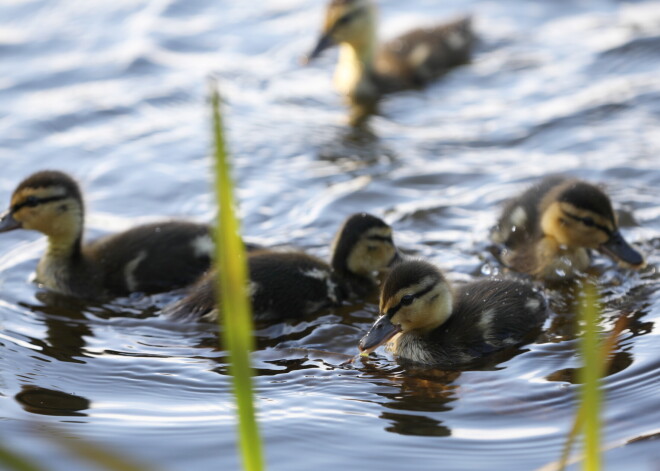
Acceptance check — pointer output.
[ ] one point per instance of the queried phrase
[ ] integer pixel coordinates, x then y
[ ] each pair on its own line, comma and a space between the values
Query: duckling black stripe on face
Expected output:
416, 295
348, 17
33, 201
588, 222
381, 238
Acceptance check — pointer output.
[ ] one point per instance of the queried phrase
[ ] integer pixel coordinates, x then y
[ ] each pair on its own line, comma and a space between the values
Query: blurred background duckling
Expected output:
365, 70
294, 284
548, 231
441, 326
148, 258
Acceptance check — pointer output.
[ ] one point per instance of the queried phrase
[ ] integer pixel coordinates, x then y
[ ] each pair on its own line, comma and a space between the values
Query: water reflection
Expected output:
130, 95
38, 400
66, 326
619, 361
412, 389
412, 424
355, 148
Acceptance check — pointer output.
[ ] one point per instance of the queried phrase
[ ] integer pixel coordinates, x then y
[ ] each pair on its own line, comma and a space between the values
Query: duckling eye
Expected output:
348, 17
407, 300
371, 248
344, 19
31, 201
588, 222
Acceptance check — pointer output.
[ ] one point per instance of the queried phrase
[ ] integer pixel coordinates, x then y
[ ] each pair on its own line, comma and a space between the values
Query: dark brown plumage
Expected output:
148, 258
282, 285
549, 229
365, 71
293, 284
439, 326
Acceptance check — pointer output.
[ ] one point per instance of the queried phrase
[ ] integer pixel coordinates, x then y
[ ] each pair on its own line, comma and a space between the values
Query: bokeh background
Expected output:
115, 93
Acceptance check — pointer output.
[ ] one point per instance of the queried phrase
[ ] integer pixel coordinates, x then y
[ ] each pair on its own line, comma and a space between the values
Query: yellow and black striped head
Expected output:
347, 21
580, 215
49, 202
415, 297
363, 245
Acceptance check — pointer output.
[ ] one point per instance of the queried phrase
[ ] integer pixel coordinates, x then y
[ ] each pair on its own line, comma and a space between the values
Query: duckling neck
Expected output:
557, 261
65, 236
356, 285
354, 73
63, 248
442, 308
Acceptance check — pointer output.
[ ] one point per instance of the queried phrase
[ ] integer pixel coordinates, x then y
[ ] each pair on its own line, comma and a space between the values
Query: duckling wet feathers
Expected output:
549, 229
441, 326
294, 284
365, 72
148, 258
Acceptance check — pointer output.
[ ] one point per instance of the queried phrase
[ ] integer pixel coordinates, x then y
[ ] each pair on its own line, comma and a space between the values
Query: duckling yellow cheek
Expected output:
29, 218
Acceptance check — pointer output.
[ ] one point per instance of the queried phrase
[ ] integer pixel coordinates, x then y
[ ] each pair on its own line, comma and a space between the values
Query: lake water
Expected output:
115, 94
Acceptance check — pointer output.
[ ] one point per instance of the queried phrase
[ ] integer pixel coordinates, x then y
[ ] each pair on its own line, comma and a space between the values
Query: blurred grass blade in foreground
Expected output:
235, 317
11, 460
590, 378
595, 362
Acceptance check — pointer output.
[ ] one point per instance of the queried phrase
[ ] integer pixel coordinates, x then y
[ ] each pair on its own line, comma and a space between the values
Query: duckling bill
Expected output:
549, 230
148, 258
294, 284
365, 72
430, 323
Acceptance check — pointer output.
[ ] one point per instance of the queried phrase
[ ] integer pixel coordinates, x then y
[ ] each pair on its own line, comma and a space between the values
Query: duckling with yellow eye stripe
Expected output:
548, 231
148, 258
440, 326
365, 72
294, 284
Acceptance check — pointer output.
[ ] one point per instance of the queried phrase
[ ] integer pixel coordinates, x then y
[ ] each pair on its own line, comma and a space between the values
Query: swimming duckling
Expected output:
365, 72
294, 284
148, 258
445, 327
549, 229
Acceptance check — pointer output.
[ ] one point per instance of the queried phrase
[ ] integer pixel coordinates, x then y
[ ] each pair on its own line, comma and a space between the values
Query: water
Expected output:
114, 93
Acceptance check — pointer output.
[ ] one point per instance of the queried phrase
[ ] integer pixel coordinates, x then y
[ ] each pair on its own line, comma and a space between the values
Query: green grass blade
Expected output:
606, 352
236, 313
11, 460
100, 455
590, 375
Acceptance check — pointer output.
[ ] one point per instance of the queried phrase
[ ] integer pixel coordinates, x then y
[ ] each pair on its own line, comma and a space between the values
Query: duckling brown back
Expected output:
294, 284
549, 229
447, 327
283, 285
520, 217
423, 55
149, 258
366, 71
488, 315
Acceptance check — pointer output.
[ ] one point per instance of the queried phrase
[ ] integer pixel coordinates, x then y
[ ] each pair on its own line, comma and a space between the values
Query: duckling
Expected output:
549, 229
441, 326
295, 284
365, 72
148, 258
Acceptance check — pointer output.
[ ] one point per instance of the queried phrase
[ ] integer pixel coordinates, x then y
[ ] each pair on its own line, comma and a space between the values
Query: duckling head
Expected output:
363, 245
578, 214
49, 202
415, 298
347, 21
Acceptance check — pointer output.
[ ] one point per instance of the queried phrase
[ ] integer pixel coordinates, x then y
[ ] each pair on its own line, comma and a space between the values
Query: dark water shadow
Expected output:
67, 321
43, 401
359, 146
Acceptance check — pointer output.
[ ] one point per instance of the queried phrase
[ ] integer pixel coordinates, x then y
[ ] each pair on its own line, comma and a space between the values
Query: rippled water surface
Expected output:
114, 93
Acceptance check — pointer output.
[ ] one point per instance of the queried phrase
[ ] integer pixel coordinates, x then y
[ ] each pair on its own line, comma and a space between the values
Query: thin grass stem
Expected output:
235, 321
